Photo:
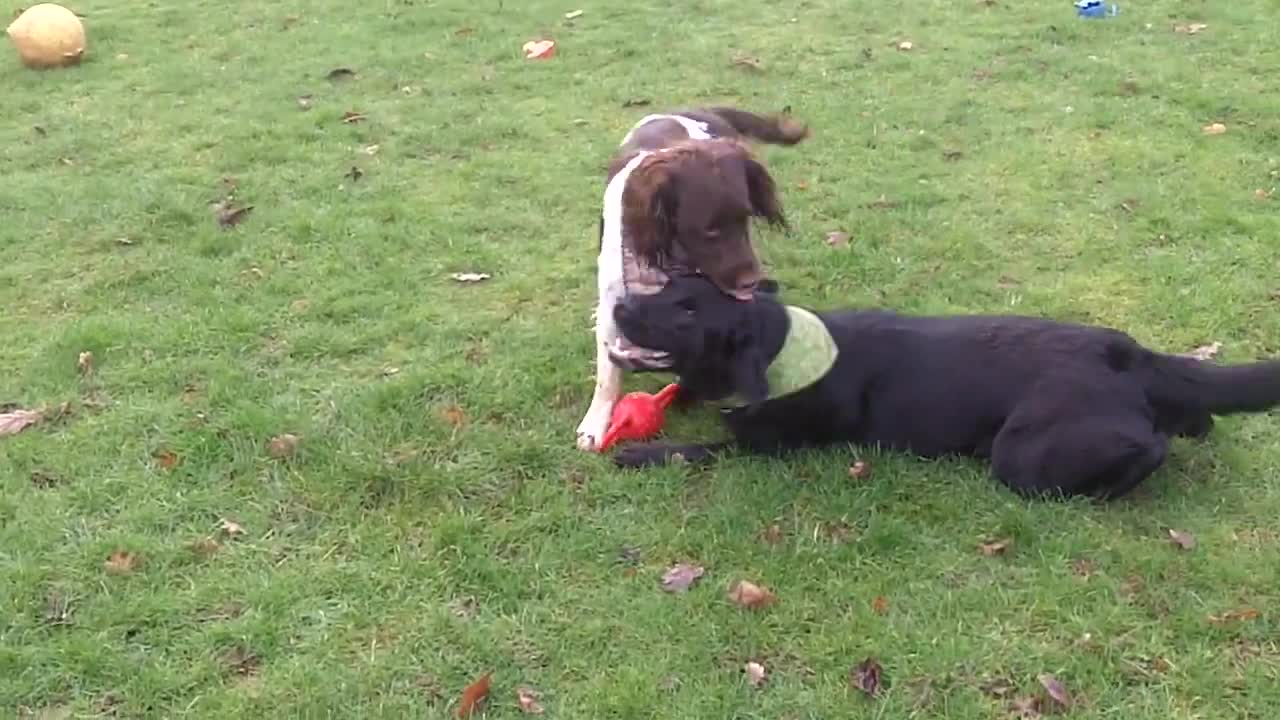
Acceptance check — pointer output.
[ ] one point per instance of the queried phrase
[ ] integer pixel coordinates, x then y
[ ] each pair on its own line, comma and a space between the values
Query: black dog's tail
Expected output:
1183, 382
776, 129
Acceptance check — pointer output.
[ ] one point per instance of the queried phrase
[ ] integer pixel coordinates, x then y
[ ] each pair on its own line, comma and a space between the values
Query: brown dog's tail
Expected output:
776, 129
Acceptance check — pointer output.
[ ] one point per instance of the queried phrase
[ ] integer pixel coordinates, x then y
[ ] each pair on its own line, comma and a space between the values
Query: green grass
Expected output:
1030, 161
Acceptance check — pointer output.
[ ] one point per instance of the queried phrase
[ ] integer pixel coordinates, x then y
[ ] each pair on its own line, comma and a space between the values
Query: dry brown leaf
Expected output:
473, 695
1084, 568
229, 216
283, 446
352, 116
539, 49
44, 480
15, 421
1026, 708
166, 459
1189, 28
772, 534
1214, 129
304, 102
1241, 615
997, 687
122, 562
470, 277
994, 547
1263, 193
751, 596
1205, 353
880, 605
241, 661
860, 470
231, 527
865, 676
528, 699
206, 547
680, 577
354, 174
749, 62
84, 362
341, 73
837, 238
1182, 539
755, 673
57, 609
454, 415
1056, 690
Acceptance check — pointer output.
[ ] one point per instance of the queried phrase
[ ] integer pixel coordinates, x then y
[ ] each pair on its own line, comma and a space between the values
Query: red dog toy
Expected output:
638, 416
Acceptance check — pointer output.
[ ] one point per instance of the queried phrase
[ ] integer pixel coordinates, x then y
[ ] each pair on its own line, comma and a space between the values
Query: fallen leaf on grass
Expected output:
470, 277
749, 62
1182, 539
84, 362
1214, 129
865, 676
283, 446
1026, 708
997, 687
636, 102
905, 45
304, 102
880, 605
952, 155
464, 31
354, 174
837, 238
1056, 690
206, 547
755, 674
994, 547
352, 116
57, 609
44, 480
473, 695
122, 562
454, 415
751, 596
1189, 28
167, 459
539, 49
229, 216
680, 577
528, 700
1263, 193
1241, 615
15, 421
860, 470
772, 534
341, 73
231, 527
1084, 568
241, 661
573, 15
1205, 353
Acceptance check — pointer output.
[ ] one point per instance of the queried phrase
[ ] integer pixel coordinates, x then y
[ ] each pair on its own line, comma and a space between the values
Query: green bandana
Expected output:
808, 354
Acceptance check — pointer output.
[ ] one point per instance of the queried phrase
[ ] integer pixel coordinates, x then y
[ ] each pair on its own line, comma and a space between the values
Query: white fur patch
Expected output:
696, 130
610, 279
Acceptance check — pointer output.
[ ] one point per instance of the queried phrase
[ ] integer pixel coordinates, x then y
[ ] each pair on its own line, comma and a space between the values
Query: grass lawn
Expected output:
436, 523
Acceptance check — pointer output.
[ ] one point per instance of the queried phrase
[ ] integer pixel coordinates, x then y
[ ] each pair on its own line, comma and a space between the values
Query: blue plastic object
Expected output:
1095, 9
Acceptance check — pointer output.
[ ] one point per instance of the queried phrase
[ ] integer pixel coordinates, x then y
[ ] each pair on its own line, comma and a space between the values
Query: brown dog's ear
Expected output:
649, 209
763, 195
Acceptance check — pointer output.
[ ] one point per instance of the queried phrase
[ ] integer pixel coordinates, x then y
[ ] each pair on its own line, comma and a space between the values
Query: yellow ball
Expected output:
47, 36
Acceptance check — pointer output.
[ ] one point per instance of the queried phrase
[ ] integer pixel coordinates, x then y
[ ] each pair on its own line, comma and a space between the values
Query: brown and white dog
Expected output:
681, 192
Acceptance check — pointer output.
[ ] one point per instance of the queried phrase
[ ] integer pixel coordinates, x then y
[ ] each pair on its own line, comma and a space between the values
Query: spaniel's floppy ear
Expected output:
649, 206
762, 194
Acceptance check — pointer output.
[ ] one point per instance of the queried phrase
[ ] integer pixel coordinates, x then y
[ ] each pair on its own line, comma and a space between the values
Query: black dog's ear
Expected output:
748, 374
763, 195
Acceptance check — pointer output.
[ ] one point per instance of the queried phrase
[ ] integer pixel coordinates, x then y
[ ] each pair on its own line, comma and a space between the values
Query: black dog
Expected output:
1058, 408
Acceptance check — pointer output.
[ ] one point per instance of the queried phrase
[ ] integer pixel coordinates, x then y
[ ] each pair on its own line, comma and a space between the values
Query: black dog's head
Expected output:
717, 344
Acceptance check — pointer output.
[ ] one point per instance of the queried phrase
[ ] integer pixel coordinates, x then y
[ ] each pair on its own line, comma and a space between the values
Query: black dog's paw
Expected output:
638, 455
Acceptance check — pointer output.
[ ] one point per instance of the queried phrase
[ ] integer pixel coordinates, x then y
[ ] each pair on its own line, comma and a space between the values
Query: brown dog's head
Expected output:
690, 206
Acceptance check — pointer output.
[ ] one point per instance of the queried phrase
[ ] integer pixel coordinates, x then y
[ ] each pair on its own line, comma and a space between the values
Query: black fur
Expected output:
1058, 408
